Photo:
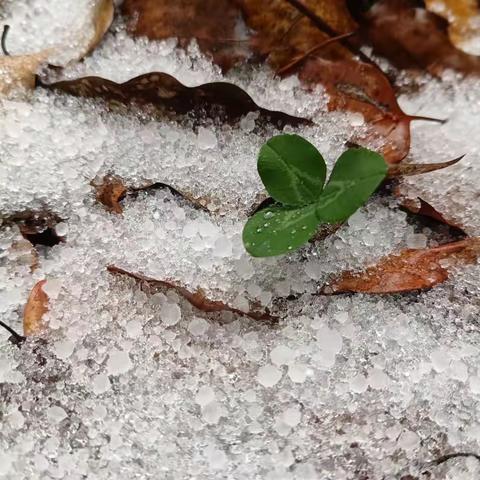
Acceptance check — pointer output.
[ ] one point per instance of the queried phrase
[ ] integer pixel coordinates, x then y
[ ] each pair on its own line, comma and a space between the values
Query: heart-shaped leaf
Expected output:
356, 175
292, 170
277, 230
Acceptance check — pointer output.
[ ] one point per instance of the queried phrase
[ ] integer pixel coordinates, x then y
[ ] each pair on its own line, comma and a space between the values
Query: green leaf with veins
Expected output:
276, 230
356, 175
292, 170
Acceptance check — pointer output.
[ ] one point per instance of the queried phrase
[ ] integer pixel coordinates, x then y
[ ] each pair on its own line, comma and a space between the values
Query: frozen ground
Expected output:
137, 386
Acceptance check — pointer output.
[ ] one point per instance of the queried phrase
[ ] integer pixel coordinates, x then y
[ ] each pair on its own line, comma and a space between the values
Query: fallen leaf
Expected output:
410, 169
423, 208
36, 307
197, 299
102, 18
213, 23
17, 72
297, 38
111, 190
363, 88
463, 17
411, 269
283, 32
414, 38
217, 99
38, 227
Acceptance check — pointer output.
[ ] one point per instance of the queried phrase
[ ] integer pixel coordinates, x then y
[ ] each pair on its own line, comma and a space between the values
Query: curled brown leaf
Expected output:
111, 190
410, 269
423, 208
198, 298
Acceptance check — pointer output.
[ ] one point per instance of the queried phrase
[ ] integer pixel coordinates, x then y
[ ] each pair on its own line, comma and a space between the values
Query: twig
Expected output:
444, 458
6, 29
17, 338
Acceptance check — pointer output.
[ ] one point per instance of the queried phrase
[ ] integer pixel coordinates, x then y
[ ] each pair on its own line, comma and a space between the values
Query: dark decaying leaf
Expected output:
411, 37
111, 190
410, 169
411, 269
197, 299
38, 227
217, 99
213, 23
423, 208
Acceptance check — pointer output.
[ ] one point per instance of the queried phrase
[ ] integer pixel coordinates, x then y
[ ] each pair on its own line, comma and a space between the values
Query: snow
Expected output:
135, 383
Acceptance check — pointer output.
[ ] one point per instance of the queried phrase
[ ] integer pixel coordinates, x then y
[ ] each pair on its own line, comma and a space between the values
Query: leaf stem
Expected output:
300, 59
427, 119
6, 29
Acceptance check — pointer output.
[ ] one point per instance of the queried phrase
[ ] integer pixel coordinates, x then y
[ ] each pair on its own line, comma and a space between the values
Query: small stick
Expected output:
17, 337
300, 59
6, 28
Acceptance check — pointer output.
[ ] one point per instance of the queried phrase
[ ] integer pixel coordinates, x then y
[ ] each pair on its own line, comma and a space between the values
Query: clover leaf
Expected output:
293, 172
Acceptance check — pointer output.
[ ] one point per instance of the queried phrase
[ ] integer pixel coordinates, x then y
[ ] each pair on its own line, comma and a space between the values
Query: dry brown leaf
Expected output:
362, 88
283, 33
197, 299
211, 22
297, 38
423, 208
217, 99
35, 309
463, 17
411, 269
411, 37
109, 191
410, 169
